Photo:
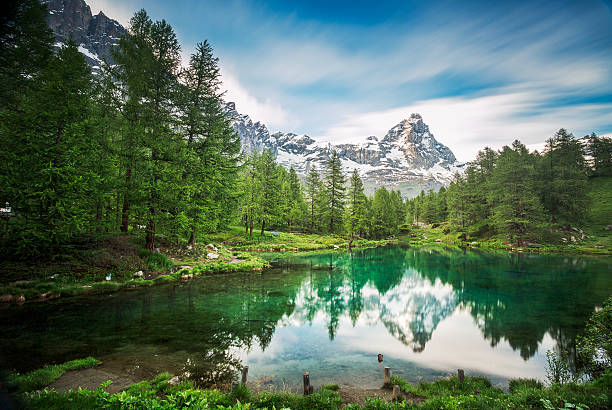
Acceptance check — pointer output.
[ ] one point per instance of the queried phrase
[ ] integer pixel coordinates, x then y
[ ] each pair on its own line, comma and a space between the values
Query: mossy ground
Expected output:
447, 393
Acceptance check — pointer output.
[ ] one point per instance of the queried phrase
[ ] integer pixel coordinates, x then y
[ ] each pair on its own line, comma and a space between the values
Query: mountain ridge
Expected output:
407, 157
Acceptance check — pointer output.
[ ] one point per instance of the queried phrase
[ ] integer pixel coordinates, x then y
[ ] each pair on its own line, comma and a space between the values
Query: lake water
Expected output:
428, 310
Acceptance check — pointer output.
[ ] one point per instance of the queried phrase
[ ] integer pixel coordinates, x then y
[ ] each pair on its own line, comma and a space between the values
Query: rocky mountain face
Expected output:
407, 158
95, 35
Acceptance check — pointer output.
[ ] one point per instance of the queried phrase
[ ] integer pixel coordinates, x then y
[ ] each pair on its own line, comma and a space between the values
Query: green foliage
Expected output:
595, 346
557, 367
521, 384
156, 261
40, 378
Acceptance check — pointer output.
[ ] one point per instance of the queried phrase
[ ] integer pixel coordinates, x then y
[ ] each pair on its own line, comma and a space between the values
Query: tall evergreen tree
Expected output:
356, 220
562, 175
334, 184
517, 210
312, 188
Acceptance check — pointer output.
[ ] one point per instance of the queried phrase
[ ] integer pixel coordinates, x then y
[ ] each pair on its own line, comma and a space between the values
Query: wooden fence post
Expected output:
306, 378
460, 375
245, 372
387, 375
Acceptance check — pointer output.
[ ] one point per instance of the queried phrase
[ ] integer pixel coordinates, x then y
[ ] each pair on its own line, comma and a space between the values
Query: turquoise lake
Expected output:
428, 310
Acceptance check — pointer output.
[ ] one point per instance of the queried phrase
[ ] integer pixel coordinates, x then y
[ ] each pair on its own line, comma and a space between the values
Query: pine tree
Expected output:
51, 142
562, 178
517, 210
212, 145
356, 220
334, 184
313, 187
269, 184
601, 152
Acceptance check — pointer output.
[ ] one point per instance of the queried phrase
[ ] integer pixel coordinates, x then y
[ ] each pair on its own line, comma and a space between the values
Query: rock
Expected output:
20, 299
473, 243
174, 381
438, 240
139, 274
6, 298
599, 246
212, 247
564, 239
189, 247
212, 255
573, 239
336, 247
608, 228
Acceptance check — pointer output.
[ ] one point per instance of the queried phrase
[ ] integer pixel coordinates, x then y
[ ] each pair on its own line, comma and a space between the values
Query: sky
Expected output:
480, 73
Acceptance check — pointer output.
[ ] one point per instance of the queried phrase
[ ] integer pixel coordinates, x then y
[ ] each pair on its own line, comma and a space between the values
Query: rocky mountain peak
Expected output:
96, 35
408, 157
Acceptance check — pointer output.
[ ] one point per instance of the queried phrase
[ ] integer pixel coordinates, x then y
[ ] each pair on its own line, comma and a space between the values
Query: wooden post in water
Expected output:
245, 372
396, 392
460, 375
306, 377
380, 357
387, 375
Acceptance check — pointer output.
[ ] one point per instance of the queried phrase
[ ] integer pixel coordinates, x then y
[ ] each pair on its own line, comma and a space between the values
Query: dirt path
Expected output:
89, 379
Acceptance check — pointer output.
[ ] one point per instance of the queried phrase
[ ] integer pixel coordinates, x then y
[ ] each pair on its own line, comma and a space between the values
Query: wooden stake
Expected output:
396, 392
245, 372
460, 375
306, 378
380, 357
387, 375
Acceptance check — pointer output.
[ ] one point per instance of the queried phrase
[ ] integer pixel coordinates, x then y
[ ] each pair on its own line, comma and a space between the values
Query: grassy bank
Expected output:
589, 237
448, 393
85, 267
114, 263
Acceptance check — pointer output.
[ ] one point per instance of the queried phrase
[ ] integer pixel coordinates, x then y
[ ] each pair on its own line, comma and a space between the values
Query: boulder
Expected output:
139, 274
174, 381
608, 228
212, 255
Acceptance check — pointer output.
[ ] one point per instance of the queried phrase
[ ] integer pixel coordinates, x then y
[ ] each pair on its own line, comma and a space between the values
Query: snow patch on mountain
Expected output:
408, 156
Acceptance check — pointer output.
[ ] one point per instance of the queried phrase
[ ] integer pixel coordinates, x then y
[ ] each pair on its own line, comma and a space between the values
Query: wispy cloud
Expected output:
479, 75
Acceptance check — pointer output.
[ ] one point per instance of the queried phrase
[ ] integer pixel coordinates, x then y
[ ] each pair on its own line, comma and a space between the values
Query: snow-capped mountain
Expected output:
408, 157
95, 35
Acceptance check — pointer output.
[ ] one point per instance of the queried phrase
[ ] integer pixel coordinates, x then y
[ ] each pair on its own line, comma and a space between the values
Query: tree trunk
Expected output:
263, 225
192, 236
126, 204
150, 237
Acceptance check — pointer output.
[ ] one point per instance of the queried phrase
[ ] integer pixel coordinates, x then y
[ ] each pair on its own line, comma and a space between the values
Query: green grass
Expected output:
294, 241
40, 378
448, 393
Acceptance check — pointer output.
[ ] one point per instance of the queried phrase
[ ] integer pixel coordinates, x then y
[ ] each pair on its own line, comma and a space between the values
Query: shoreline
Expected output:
253, 262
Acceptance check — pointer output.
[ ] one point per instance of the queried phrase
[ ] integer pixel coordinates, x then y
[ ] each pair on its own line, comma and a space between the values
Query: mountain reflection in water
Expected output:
428, 310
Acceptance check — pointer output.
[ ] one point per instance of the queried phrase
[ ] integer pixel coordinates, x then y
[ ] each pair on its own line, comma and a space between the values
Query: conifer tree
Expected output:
356, 220
269, 184
334, 184
517, 210
562, 178
312, 189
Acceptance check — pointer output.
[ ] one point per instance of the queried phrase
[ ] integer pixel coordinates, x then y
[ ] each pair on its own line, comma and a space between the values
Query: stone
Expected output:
20, 299
573, 239
608, 228
174, 381
6, 298
212, 255
438, 240
139, 274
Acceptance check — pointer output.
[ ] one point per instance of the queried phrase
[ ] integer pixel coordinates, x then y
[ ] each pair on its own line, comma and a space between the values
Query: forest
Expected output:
146, 147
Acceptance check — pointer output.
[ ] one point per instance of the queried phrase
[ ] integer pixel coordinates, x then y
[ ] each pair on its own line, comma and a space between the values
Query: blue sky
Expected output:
480, 73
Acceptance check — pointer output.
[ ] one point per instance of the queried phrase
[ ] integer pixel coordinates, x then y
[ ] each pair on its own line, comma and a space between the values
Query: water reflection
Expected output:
426, 307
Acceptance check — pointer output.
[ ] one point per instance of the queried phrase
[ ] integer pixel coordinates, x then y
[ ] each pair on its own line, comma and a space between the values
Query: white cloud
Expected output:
119, 10
469, 124
266, 111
